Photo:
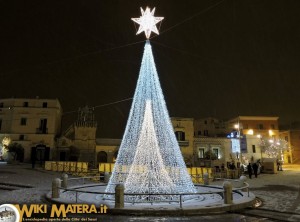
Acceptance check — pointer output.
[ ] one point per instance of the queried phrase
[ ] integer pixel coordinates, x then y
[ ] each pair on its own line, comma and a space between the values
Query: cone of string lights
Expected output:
149, 160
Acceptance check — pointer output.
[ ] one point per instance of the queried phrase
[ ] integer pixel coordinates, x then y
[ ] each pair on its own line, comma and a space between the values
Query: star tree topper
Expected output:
147, 22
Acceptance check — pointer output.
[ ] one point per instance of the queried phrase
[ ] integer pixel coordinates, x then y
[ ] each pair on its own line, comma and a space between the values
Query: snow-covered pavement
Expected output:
279, 192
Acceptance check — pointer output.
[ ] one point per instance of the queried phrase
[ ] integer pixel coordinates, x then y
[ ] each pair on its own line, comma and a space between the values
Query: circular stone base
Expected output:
204, 203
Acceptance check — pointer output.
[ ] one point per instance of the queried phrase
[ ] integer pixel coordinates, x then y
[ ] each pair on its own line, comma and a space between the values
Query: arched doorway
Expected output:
102, 157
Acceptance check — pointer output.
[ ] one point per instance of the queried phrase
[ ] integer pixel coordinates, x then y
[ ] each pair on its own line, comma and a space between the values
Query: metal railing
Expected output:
180, 200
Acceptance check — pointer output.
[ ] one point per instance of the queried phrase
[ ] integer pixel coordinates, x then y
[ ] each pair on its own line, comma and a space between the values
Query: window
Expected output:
216, 152
201, 153
199, 132
45, 104
21, 137
253, 149
25, 104
1, 105
205, 132
260, 126
23, 121
43, 127
180, 135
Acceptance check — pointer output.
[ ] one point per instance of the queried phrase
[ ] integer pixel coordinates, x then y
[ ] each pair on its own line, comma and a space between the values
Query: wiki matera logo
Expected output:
9, 213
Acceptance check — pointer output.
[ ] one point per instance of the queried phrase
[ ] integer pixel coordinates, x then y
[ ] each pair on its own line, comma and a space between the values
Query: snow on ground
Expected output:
22, 174
279, 192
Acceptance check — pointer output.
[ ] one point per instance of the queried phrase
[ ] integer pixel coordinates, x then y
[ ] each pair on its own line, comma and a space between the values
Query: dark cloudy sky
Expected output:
233, 58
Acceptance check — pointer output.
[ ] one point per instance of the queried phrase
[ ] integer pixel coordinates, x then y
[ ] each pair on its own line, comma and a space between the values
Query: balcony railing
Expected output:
41, 130
183, 143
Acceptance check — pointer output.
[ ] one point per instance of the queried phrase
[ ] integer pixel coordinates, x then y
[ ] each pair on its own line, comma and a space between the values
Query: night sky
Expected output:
214, 58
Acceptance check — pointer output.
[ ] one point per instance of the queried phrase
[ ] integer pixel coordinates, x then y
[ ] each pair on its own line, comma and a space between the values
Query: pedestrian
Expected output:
232, 166
255, 168
278, 165
249, 168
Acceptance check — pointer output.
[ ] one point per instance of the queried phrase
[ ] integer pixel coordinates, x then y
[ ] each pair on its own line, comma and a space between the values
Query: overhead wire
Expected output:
123, 46
189, 18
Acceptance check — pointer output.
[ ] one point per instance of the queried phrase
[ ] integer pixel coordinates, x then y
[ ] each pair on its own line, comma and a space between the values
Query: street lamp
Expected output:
5, 142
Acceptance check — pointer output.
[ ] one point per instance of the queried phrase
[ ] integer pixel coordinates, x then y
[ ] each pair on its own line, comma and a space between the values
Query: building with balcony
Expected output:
250, 130
184, 132
107, 149
220, 147
209, 127
246, 134
33, 123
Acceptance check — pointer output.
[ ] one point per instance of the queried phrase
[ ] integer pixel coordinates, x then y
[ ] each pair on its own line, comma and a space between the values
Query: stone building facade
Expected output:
33, 123
78, 142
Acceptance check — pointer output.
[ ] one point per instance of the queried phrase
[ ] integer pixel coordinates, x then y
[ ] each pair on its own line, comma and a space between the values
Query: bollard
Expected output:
119, 196
205, 179
55, 187
242, 182
65, 180
106, 177
227, 192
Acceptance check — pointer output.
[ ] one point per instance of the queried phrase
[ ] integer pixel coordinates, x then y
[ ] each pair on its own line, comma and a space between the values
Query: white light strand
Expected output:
134, 146
273, 148
147, 173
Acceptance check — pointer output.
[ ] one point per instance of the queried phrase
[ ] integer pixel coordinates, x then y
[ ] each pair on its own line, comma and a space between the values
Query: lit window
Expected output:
216, 152
250, 132
201, 153
271, 133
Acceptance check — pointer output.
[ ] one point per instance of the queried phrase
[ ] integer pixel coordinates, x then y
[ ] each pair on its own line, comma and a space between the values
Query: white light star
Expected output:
147, 22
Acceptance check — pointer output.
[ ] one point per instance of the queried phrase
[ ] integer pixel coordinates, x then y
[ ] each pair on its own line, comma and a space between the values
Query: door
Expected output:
62, 156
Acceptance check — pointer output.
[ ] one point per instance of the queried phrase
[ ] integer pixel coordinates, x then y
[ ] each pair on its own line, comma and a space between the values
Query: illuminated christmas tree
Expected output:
149, 158
147, 173
273, 148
